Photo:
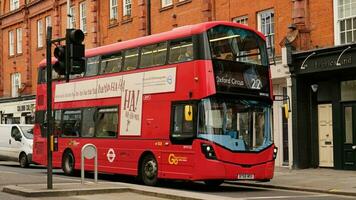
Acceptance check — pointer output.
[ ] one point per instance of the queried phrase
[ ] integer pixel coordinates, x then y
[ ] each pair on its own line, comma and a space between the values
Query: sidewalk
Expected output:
314, 180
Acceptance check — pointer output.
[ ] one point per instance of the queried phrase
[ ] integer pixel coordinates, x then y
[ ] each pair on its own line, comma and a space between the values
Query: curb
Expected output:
21, 191
295, 188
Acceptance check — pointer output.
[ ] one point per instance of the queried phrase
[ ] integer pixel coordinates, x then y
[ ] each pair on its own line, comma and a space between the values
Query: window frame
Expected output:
14, 4
39, 33
19, 40
71, 20
240, 19
114, 12
166, 3
11, 43
126, 7
270, 36
83, 16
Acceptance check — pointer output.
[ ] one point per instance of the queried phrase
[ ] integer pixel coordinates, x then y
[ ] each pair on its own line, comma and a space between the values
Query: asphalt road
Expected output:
12, 174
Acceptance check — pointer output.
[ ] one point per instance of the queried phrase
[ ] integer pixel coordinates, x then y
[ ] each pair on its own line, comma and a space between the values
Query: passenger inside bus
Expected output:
187, 54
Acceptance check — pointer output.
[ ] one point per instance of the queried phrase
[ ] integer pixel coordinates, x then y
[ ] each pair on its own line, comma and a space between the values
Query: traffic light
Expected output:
76, 51
60, 65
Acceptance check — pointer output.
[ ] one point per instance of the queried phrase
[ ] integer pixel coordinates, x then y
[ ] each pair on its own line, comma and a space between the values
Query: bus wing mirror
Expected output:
188, 113
286, 110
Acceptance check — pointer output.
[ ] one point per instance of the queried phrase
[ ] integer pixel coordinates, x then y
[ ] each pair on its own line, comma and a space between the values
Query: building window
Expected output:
15, 84
11, 43
166, 3
71, 19
39, 34
48, 21
19, 40
14, 4
241, 20
266, 26
83, 17
346, 21
113, 9
127, 7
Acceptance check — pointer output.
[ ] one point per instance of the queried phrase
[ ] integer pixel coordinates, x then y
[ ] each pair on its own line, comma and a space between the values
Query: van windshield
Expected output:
27, 131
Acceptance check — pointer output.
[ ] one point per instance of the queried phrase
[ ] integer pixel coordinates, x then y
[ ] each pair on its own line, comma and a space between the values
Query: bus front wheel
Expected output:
68, 163
149, 170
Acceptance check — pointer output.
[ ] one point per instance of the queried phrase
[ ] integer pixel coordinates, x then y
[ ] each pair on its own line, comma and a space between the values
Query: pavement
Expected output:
319, 180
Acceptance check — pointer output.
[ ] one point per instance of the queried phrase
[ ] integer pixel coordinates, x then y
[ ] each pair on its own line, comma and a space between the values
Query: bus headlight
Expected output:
275, 151
208, 151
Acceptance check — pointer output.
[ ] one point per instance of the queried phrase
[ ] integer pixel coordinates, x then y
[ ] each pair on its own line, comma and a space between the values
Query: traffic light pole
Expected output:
49, 108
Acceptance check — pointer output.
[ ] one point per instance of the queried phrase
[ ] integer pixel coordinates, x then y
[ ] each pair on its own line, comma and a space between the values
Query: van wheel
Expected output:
68, 163
23, 160
149, 170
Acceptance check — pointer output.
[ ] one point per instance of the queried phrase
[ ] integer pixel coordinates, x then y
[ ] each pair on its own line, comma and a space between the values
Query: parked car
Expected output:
16, 141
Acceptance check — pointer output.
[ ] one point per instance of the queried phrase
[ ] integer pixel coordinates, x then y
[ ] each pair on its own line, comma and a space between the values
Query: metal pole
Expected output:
49, 108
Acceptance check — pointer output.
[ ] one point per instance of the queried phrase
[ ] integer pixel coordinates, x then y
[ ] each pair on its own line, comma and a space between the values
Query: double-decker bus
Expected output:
193, 103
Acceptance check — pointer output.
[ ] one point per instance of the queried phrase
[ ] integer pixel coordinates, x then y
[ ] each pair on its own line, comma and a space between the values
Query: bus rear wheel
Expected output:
68, 163
149, 170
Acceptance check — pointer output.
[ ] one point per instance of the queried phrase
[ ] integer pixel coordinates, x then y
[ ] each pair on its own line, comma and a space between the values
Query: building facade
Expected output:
300, 25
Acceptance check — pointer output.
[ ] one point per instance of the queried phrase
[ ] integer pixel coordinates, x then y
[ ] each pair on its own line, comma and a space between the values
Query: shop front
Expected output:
19, 110
324, 108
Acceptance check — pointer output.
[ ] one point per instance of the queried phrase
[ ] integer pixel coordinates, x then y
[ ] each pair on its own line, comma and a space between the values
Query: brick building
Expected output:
301, 24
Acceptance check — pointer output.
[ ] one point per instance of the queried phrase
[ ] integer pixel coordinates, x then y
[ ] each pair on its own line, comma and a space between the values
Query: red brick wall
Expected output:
100, 31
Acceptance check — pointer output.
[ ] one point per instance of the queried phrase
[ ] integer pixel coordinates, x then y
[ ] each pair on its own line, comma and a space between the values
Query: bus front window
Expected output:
239, 125
236, 44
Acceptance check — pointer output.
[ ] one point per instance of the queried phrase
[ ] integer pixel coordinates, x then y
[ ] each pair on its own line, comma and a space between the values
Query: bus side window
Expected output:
181, 50
106, 122
131, 59
92, 66
88, 126
153, 55
111, 63
71, 123
40, 118
183, 123
41, 75
57, 122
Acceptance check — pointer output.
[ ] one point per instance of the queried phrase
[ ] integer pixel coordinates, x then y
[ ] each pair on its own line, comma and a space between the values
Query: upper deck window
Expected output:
153, 55
92, 66
235, 44
181, 50
111, 63
131, 59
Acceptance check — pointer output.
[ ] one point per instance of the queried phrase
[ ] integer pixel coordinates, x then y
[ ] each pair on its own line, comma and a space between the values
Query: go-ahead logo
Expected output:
174, 160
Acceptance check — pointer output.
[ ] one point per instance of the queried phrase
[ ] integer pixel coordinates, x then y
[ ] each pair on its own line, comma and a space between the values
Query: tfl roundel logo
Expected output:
169, 79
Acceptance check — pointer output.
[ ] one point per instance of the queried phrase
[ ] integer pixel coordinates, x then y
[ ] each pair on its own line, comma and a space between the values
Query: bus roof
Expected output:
180, 32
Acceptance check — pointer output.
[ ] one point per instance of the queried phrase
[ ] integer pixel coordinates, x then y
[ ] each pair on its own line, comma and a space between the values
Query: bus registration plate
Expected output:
245, 176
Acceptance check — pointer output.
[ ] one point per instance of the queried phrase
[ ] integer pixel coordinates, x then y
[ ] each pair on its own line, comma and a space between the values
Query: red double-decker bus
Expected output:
193, 103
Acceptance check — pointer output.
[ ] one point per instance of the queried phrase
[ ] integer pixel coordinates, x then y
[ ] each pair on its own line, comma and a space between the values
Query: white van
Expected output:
16, 142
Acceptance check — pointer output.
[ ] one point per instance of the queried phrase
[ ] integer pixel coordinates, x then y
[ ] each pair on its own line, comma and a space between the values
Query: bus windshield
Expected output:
238, 125
236, 44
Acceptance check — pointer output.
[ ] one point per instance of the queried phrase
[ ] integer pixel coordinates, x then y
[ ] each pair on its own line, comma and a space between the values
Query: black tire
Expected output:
68, 163
213, 183
149, 170
23, 160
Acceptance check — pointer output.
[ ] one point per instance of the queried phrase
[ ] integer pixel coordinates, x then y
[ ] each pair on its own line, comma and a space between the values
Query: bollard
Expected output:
89, 151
